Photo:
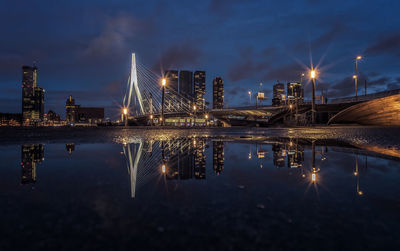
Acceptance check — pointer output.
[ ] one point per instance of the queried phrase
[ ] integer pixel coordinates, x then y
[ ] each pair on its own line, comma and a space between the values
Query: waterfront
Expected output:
281, 188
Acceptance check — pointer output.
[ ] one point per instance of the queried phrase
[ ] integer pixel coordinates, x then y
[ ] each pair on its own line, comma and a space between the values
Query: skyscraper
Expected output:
218, 93
200, 89
279, 93
32, 96
171, 77
186, 83
295, 92
172, 88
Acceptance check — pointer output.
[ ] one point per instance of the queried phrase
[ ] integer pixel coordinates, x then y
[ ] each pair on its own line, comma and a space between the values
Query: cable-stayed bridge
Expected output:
145, 95
150, 96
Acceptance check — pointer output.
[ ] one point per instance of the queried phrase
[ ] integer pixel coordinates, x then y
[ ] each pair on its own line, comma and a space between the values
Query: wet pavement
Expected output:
252, 189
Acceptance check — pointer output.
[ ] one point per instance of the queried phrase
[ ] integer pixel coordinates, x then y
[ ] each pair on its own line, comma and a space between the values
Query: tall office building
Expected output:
32, 96
172, 88
171, 77
200, 89
295, 92
218, 93
186, 83
278, 94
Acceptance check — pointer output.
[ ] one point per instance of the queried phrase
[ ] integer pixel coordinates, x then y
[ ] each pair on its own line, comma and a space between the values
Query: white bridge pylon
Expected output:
143, 94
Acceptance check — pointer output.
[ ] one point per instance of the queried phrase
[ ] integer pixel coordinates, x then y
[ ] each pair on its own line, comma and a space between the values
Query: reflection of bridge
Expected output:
148, 101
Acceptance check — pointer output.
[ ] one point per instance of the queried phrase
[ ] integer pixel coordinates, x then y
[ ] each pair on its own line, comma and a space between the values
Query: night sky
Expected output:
82, 48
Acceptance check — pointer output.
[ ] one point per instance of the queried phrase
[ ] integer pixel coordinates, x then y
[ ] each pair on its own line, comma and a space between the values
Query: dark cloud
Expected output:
179, 56
246, 69
289, 72
390, 45
323, 40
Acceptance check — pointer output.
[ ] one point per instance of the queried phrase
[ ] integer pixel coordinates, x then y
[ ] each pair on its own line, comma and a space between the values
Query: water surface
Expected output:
218, 191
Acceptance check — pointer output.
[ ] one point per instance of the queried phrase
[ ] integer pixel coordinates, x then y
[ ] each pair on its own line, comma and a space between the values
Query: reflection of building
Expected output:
200, 89
32, 96
218, 93
184, 159
77, 114
295, 154
218, 156
295, 92
199, 160
278, 94
30, 156
279, 155
70, 147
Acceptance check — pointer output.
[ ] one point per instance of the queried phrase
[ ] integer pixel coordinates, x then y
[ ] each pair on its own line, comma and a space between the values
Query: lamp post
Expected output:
163, 83
249, 97
356, 76
125, 112
313, 75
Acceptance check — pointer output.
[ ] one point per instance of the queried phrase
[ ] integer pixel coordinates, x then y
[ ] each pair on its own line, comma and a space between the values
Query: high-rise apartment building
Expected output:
199, 89
295, 92
186, 83
278, 94
218, 93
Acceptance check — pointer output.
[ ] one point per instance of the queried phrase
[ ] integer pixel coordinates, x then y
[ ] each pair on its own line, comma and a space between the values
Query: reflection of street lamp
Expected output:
313, 75
163, 83
206, 117
163, 169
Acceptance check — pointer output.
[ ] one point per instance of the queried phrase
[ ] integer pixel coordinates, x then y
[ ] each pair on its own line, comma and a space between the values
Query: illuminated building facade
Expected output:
278, 94
218, 93
77, 114
295, 93
30, 156
32, 97
200, 89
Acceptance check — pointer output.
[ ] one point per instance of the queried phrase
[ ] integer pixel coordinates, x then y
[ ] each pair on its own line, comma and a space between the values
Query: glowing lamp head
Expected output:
313, 74
151, 116
354, 76
163, 82
125, 111
302, 75
249, 92
313, 177
206, 116
358, 57
194, 107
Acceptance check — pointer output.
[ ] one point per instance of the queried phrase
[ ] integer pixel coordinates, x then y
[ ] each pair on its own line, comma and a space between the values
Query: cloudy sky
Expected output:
82, 48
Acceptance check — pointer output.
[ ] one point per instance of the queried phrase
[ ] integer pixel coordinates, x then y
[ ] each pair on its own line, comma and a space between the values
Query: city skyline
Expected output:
90, 60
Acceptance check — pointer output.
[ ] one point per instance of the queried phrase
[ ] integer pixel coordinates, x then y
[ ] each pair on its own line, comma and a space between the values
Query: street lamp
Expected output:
313, 74
163, 83
125, 112
249, 97
356, 76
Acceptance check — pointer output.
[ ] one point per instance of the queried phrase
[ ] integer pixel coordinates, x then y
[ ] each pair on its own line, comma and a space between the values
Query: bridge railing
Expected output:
365, 97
